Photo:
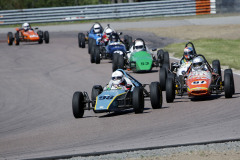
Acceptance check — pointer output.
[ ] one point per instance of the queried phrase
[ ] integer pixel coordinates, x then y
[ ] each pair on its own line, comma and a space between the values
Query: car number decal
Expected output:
105, 97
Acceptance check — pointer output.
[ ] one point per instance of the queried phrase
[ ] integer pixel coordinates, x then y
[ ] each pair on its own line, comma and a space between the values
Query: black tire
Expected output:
170, 90
115, 62
46, 37
126, 42
156, 95
138, 100
216, 66
232, 79
130, 42
228, 85
96, 90
93, 45
89, 45
166, 61
83, 40
17, 39
92, 57
10, 38
162, 78
79, 40
40, 34
120, 62
78, 104
97, 54
160, 56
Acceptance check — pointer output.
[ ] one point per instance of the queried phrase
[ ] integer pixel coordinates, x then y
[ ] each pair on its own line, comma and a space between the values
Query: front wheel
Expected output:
78, 104
10, 38
170, 90
156, 95
231, 73
163, 77
138, 100
115, 62
17, 39
97, 54
228, 85
96, 90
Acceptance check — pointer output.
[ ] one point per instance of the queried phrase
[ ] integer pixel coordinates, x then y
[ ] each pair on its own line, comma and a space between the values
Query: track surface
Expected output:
36, 87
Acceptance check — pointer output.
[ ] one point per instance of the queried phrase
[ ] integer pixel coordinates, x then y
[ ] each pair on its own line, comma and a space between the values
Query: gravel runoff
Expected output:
156, 154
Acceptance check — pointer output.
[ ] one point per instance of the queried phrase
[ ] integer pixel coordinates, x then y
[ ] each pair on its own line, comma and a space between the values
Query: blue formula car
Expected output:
106, 50
93, 37
103, 100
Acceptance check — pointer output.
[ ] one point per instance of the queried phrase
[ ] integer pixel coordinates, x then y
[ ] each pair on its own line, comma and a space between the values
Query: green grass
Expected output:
227, 51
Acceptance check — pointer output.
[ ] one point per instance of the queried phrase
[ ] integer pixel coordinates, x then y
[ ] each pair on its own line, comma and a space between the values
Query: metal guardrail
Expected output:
110, 11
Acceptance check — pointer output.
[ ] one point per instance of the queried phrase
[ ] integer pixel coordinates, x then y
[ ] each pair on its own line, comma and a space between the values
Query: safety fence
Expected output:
110, 11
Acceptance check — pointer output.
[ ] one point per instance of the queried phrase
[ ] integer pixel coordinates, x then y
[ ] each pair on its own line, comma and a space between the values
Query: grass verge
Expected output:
227, 51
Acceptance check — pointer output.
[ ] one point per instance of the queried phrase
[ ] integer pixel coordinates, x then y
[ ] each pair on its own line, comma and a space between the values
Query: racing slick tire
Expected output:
228, 83
78, 104
93, 45
170, 90
83, 40
126, 42
115, 62
10, 38
230, 71
166, 60
79, 40
97, 54
17, 39
138, 100
162, 78
217, 67
96, 90
46, 37
89, 45
160, 56
156, 95
40, 34
92, 57
120, 61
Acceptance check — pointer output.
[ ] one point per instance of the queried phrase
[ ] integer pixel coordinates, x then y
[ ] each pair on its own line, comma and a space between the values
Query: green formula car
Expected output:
138, 58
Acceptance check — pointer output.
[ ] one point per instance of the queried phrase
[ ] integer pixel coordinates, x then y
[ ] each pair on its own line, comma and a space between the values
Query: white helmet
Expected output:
117, 77
139, 45
108, 31
198, 63
25, 26
96, 28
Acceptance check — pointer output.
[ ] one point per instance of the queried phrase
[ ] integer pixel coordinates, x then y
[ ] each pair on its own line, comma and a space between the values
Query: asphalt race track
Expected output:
36, 87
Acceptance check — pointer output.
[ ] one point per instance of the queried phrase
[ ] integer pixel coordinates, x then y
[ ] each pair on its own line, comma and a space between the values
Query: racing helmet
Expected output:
139, 45
109, 31
97, 28
188, 53
114, 37
117, 77
25, 26
198, 63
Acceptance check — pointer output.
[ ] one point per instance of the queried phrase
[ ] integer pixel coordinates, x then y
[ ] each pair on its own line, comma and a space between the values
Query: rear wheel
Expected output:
232, 79
10, 38
83, 40
96, 90
79, 40
115, 62
97, 54
166, 59
46, 37
156, 95
120, 61
17, 39
138, 100
78, 104
89, 45
228, 85
160, 56
216, 66
162, 78
170, 90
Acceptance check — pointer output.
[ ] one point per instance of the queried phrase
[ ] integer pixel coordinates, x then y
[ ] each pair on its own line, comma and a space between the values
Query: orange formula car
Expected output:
27, 35
201, 80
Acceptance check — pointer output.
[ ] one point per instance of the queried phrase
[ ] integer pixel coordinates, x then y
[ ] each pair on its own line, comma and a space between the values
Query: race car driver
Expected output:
138, 45
97, 28
26, 27
118, 81
198, 64
187, 55
106, 35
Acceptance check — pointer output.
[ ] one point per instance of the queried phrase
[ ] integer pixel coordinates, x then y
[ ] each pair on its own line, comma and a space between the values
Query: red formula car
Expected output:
203, 82
27, 35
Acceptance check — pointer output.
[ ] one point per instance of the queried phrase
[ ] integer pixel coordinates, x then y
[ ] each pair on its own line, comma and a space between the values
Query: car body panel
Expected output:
107, 100
29, 35
143, 61
199, 83
116, 47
